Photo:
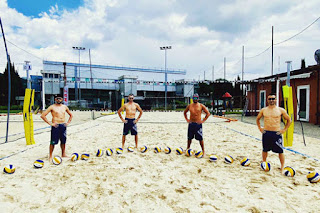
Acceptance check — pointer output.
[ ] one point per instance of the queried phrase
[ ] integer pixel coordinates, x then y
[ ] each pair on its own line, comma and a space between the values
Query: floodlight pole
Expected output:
79, 48
165, 48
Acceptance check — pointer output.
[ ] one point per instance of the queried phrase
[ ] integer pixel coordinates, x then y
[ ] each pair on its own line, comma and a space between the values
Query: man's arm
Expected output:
140, 113
70, 114
185, 114
258, 120
285, 116
204, 108
119, 113
44, 114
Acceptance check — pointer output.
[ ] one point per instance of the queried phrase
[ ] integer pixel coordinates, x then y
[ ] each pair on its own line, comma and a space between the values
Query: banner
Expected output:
65, 95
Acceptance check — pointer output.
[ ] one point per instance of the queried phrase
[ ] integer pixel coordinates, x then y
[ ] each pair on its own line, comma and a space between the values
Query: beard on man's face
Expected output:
59, 101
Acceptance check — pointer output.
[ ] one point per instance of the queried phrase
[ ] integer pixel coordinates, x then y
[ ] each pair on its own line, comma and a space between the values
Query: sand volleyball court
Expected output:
149, 182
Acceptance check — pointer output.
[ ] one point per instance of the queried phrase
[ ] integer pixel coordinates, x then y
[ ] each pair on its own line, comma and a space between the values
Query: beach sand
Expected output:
149, 182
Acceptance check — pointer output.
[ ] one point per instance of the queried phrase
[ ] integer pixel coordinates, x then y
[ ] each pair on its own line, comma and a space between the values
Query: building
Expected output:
106, 91
305, 90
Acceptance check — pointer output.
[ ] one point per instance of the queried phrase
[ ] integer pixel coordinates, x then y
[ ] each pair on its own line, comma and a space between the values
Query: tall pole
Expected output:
64, 74
43, 94
242, 76
212, 73
272, 54
288, 72
9, 81
204, 75
165, 48
224, 68
90, 70
79, 48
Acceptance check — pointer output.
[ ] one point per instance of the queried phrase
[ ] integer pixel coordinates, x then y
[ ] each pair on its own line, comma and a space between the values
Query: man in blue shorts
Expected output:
272, 133
130, 121
58, 124
195, 121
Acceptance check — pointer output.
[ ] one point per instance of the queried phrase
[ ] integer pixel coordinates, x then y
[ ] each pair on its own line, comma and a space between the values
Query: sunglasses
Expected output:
271, 99
130, 98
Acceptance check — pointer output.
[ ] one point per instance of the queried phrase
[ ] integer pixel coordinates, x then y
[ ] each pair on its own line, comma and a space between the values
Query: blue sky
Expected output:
33, 8
130, 32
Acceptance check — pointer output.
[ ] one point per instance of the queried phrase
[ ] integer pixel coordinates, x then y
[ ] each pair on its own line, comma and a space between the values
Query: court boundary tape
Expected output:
291, 150
41, 143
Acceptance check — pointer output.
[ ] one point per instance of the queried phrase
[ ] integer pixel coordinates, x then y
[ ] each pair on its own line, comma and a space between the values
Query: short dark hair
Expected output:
272, 93
57, 96
130, 94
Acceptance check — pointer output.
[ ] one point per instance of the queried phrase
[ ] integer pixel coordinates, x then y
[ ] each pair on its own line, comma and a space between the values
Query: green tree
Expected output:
17, 88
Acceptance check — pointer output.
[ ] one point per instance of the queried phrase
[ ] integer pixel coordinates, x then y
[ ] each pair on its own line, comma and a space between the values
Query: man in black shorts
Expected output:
272, 132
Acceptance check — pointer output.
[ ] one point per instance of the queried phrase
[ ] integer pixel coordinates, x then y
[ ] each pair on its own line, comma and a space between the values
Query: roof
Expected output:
295, 74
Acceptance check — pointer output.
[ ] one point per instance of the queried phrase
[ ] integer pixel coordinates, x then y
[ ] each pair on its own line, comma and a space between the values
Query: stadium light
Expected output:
165, 48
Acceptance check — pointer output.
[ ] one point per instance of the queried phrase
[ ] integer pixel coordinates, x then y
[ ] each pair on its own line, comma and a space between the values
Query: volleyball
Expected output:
9, 169
74, 157
56, 160
313, 177
157, 149
85, 156
99, 153
130, 149
167, 150
189, 152
265, 166
228, 159
199, 154
213, 158
179, 151
109, 152
245, 162
289, 171
143, 149
38, 164
119, 150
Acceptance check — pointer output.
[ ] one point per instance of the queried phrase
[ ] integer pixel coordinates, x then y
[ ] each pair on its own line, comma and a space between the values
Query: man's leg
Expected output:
136, 140
189, 144
63, 150
202, 147
282, 160
51, 147
123, 140
264, 156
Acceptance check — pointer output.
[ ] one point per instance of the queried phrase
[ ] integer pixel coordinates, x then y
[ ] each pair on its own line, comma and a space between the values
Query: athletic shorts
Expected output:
130, 127
195, 131
58, 133
272, 141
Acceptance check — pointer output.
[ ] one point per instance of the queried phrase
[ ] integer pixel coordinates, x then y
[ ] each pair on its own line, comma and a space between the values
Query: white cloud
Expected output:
201, 34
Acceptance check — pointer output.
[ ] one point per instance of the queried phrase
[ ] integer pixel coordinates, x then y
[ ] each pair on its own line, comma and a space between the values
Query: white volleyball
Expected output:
167, 150
213, 158
130, 149
109, 152
74, 157
119, 150
56, 160
38, 164
228, 159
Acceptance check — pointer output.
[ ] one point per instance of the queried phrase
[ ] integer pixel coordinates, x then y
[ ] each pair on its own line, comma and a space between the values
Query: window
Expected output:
56, 76
262, 99
50, 75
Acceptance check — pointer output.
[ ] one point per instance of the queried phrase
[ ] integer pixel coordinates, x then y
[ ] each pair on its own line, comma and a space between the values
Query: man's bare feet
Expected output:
65, 156
50, 159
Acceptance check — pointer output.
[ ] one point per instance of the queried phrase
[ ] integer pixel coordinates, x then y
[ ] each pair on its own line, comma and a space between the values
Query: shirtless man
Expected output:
130, 122
195, 122
58, 124
271, 133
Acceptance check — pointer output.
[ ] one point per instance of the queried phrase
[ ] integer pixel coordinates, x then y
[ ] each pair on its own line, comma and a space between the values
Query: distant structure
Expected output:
107, 85
317, 56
